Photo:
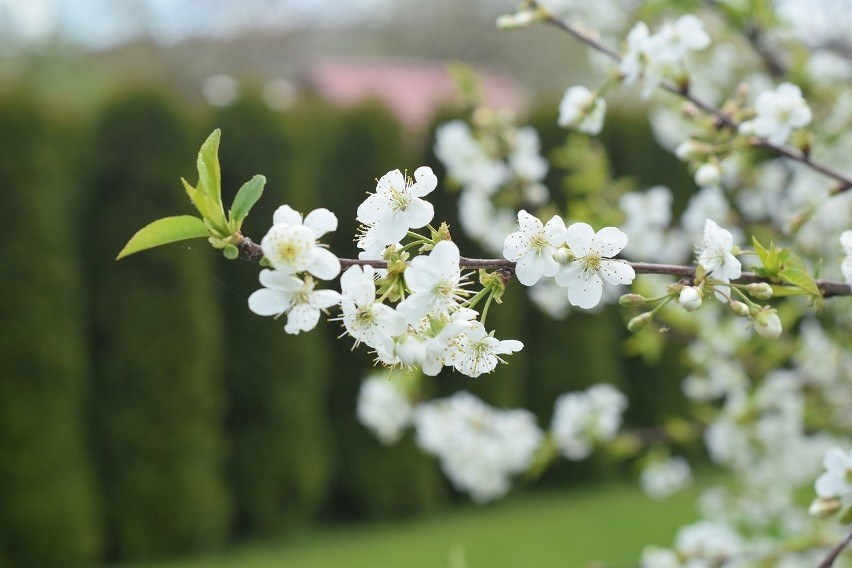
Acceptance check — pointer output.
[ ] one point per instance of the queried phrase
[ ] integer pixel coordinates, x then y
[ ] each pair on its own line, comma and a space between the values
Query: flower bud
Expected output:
821, 508
631, 300
739, 308
688, 150
410, 349
690, 298
640, 321
707, 175
759, 290
767, 324
563, 256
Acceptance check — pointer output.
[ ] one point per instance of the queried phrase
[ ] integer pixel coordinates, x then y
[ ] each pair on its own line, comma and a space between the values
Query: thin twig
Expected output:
829, 288
835, 552
845, 181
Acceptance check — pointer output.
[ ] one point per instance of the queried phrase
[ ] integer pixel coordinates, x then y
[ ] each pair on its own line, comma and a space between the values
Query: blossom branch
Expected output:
835, 552
723, 118
829, 288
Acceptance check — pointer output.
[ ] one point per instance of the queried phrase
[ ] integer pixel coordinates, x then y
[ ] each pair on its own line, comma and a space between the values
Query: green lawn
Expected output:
570, 528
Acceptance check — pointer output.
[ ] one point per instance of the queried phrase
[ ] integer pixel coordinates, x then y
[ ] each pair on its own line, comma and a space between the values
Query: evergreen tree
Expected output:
48, 503
279, 461
158, 397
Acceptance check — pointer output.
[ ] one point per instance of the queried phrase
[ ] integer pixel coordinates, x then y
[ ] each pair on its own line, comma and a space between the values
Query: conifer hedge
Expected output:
279, 463
370, 480
48, 501
158, 394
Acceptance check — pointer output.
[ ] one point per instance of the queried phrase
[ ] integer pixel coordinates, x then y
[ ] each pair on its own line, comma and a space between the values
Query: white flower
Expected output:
582, 418
836, 481
440, 346
674, 40
708, 540
479, 447
582, 109
291, 247
478, 352
365, 319
660, 479
319, 221
715, 253
532, 247
466, 160
707, 174
767, 324
690, 298
434, 281
383, 408
778, 113
396, 206
525, 158
283, 293
655, 557
591, 250
633, 61
653, 56
846, 264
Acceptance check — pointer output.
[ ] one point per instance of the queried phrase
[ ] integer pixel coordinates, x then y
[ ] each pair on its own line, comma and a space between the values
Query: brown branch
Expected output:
845, 181
835, 552
829, 288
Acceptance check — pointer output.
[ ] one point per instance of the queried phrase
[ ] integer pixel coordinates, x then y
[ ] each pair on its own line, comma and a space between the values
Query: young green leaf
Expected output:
209, 176
245, 199
164, 231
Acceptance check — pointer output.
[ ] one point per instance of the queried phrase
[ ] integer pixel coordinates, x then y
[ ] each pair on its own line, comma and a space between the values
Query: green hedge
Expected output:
369, 479
158, 396
279, 465
48, 503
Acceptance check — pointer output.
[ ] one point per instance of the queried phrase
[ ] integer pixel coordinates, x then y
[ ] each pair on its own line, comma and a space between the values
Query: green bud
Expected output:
759, 290
631, 300
231, 252
739, 308
822, 508
640, 321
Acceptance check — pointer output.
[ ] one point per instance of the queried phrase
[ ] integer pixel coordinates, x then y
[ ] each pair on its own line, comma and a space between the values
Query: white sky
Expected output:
100, 23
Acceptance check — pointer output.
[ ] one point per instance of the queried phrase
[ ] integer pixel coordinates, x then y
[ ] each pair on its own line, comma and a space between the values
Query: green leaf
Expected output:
245, 199
769, 258
164, 231
209, 176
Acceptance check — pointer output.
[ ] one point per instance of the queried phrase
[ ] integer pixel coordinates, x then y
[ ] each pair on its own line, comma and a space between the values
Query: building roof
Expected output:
411, 89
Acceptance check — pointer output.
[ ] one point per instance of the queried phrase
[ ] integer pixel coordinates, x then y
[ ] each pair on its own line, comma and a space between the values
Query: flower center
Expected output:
592, 261
399, 198
538, 243
288, 252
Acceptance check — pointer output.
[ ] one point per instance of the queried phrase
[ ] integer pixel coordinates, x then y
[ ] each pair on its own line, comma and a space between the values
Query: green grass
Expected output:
572, 528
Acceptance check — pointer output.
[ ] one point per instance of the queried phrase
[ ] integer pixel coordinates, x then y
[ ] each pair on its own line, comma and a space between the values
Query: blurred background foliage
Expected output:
144, 411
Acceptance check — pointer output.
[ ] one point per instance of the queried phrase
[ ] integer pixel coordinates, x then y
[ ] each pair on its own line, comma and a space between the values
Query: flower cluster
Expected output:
576, 256
480, 447
433, 324
582, 419
657, 56
291, 248
496, 158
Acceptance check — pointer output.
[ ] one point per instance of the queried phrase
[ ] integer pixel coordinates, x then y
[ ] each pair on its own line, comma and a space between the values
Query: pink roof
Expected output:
412, 90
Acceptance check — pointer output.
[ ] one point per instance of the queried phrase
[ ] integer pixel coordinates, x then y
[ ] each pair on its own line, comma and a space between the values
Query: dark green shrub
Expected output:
369, 479
158, 396
48, 504
277, 383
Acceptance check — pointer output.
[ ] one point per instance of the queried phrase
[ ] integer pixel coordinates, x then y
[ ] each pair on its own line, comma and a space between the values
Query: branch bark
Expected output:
835, 552
829, 288
844, 180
